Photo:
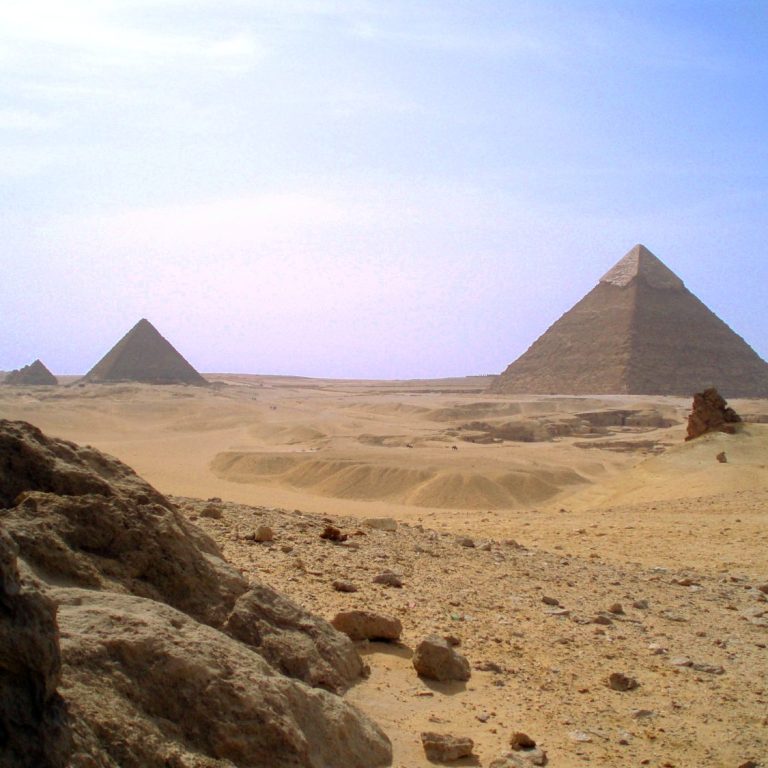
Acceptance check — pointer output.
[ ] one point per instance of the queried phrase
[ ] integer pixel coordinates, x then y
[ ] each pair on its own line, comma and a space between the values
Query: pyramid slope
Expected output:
143, 355
34, 374
639, 331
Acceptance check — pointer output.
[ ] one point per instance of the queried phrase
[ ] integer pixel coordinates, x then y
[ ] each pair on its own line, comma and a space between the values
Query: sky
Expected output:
369, 188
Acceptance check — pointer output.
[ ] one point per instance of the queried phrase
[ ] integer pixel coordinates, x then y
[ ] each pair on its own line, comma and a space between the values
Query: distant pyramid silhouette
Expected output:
639, 331
144, 355
34, 374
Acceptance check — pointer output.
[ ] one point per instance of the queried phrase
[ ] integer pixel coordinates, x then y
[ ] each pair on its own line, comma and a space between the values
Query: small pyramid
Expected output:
143, 355
639, 331
32, 375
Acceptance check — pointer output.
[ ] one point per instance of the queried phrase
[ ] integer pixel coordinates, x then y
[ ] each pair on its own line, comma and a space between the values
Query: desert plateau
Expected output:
561, 543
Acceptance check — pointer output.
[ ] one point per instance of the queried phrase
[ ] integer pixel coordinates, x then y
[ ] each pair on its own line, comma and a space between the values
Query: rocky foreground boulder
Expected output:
166, 656
33, 716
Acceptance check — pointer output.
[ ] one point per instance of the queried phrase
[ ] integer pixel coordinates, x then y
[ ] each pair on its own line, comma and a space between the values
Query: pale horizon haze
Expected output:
369, 188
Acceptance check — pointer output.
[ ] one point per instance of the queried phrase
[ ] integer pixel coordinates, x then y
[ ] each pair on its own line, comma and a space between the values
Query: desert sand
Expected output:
588, 501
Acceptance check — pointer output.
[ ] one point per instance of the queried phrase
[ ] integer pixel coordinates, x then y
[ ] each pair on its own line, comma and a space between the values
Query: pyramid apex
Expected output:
639, 262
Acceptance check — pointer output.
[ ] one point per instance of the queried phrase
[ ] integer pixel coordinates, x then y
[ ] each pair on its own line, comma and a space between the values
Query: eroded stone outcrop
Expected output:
151, 686
169, 656
33, 718
710, 413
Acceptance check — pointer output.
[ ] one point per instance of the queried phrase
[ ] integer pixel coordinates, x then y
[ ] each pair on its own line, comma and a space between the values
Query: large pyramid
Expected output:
639, 331
35, 374
144, 355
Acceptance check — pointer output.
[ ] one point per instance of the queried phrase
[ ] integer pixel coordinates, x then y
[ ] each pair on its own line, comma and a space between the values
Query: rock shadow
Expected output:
447, 688
386, 647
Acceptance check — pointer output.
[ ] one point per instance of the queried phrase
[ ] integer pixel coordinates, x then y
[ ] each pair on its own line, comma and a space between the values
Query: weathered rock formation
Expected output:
34, 730
144, 355
639, 331
710, 413
168, 656
32, 375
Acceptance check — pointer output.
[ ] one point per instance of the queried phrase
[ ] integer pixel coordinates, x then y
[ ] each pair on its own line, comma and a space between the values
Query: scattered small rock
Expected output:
435, 659
710, 669
550, 600
722, 458
264, 533
367, 625
465, 541
332, 533
523, 758
641, 605
618, 681
616, 608
446, 748
211, 511
388, 579
488, 666
520, 740
341, 585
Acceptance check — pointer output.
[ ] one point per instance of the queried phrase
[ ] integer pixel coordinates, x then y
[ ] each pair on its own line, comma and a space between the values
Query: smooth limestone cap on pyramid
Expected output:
35, 374
143, 355
639, 331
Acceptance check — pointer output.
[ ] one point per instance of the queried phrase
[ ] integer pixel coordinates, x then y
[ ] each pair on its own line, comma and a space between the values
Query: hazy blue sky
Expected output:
369, 188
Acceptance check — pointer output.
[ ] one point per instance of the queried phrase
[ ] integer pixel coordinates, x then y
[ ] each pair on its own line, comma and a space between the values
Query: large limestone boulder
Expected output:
169, 657
153, 687
85, 517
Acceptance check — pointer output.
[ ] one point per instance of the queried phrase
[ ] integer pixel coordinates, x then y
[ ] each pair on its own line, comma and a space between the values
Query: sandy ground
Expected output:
592, 501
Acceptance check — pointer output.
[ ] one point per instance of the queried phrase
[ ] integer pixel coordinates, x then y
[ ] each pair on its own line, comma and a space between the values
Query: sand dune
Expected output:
414, 445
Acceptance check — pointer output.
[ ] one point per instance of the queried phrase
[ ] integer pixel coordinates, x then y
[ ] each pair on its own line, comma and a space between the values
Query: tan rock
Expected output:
446, 748
126, 659
435, 659
367, 625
